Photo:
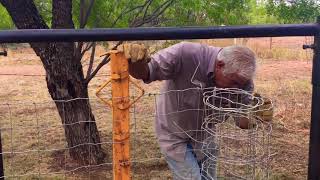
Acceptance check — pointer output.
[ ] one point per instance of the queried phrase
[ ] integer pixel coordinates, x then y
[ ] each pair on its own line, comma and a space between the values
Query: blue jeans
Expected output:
190, 169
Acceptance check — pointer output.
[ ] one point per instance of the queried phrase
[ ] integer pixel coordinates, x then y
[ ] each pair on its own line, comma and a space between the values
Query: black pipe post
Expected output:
1, 160
314, 143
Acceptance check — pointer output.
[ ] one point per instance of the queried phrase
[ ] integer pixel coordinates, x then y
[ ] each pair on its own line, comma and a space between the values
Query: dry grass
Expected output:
271, 48
284, 75
290, 89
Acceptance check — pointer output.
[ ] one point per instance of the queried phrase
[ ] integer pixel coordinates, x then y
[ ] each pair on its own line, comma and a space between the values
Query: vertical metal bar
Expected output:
1, 160
120, 115
314, 143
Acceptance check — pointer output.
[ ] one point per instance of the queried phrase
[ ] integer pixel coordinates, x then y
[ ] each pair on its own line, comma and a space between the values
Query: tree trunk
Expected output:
65, 79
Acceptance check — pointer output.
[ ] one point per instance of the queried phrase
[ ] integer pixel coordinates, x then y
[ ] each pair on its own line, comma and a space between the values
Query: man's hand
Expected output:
138, 57
264, 112
134, 52
244, 123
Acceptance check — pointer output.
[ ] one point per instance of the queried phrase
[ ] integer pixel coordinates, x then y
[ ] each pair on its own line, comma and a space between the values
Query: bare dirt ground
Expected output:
286, 81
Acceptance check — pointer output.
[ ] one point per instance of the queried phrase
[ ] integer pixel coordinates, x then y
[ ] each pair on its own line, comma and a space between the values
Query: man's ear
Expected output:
219, 65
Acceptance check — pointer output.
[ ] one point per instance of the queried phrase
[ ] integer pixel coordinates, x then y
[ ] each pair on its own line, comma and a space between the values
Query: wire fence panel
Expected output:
34, 143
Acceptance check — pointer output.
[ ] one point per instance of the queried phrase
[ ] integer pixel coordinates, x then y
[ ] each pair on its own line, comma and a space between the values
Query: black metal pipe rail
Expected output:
164, 33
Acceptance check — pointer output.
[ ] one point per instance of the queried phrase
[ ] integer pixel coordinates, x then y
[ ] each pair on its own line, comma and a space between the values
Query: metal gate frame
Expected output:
172, 33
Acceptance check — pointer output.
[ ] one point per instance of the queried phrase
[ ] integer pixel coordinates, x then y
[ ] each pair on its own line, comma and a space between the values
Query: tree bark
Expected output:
65, 78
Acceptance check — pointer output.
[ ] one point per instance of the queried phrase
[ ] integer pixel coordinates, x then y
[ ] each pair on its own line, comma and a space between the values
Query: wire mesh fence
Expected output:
35, 144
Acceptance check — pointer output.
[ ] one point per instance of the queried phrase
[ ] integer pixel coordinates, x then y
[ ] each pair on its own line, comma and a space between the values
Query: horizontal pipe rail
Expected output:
162, 33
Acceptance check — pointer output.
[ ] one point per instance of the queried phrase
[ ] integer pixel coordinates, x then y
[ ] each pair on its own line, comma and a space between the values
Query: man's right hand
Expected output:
138, 57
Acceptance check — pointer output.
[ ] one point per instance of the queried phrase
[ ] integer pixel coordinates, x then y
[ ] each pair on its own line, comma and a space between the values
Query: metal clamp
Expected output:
308, 46
109, 102
4, 53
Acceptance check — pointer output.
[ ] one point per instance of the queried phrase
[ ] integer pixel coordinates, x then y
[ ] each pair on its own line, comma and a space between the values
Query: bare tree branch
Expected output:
91, 59
82, 9
136, 22
103, 62
86, 17
83, 19
78, 48
88, 46
116, 3
159, 11
141, 8
146, 9
85, 12
107, 17
79, 45
154, 15
125, 11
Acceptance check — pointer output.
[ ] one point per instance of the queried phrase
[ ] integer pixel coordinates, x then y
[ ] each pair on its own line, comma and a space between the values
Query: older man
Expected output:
187, 69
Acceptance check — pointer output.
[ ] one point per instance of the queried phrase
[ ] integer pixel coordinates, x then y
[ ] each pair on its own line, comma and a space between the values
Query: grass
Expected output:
284, 75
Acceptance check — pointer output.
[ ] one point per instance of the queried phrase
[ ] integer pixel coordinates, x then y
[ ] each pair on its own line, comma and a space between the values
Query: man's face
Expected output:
227, 81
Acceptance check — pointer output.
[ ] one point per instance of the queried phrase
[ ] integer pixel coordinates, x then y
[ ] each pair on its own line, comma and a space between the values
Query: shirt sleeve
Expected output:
166, 63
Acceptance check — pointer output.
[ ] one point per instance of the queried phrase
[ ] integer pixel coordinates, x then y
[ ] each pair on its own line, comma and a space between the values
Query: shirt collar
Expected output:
212, 60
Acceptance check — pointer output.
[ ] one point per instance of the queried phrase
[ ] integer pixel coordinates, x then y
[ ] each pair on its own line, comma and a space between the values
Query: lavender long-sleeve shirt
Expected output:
187, 68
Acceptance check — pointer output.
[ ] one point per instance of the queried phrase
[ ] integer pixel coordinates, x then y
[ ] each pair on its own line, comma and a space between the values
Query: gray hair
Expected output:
238, 59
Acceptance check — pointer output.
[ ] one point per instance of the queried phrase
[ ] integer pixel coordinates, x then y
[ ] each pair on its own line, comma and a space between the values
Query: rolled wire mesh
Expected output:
231, 150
